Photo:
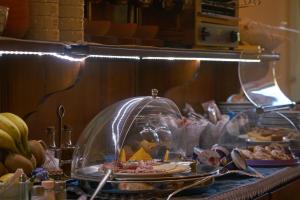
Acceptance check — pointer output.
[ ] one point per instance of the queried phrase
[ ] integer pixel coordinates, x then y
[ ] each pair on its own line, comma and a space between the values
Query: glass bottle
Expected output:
66, 150
23, 188
37, 193
67, 137
60, 190
51, 142
50, 131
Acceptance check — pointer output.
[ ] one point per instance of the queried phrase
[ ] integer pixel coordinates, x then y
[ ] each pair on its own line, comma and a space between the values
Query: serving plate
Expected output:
253, 141
272, 163
167, 169
92, 173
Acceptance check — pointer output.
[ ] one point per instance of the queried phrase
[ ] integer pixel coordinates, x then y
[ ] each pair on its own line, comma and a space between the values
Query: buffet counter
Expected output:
279, 183
237, 187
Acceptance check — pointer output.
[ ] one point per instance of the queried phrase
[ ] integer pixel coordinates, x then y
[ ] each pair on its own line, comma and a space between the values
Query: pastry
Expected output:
268, 134
279, 155
259, 155
273, 151
247, 154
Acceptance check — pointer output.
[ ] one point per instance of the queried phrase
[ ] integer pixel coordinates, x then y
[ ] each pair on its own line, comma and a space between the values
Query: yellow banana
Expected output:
11, 129
22, 126
6, 177
18, 121
6, 142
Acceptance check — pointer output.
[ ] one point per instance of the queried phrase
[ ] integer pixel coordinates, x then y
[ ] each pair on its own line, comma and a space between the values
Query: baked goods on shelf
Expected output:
269, 134
273, 151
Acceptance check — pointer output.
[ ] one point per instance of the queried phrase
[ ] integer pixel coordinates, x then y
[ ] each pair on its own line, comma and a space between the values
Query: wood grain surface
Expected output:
34, 86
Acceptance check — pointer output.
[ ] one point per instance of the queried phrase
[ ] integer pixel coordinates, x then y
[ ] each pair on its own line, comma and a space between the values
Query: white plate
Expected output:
167, 169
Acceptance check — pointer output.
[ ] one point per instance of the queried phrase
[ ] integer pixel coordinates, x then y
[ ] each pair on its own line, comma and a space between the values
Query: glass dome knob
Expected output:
154, 93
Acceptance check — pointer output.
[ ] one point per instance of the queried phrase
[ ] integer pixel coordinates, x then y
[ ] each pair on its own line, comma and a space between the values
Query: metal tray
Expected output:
160, 188
92, 174
272, 163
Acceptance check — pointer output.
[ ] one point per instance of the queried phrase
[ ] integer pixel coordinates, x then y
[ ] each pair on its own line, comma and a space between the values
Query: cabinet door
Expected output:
289, 191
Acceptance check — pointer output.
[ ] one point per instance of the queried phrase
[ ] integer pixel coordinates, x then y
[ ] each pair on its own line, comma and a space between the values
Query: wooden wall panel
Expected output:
163, 75
226, 79
35, 86
101, 84
23, 83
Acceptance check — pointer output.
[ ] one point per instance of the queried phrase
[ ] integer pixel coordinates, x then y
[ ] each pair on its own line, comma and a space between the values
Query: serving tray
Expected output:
272, 163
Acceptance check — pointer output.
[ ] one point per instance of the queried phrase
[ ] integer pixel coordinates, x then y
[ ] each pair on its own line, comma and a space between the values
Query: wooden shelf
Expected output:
83, 50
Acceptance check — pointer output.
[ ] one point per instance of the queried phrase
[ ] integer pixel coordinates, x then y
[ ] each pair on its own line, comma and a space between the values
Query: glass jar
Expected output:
37, 193
49, 193
51, 137
60, 190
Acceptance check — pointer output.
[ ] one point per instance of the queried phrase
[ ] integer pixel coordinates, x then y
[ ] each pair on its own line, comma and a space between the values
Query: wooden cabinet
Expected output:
289, 191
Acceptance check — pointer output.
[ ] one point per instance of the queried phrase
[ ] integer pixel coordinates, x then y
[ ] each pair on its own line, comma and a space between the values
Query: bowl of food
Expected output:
273, 155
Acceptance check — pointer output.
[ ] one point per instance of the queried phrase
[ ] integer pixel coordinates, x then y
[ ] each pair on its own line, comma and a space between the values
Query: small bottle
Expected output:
49, 193
23, 188
66, 151
51, 137
37, 193
60, 190
50, 131
67, 137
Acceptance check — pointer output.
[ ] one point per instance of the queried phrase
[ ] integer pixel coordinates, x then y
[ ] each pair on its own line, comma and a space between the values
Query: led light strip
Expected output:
203, 59
70, 58
66, 57
115, 57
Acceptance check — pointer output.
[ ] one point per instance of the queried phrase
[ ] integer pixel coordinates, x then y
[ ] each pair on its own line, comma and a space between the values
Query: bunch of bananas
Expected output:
15, 149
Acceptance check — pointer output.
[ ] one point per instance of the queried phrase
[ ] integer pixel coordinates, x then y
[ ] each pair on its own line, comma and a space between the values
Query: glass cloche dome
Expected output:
251, 128
140, 128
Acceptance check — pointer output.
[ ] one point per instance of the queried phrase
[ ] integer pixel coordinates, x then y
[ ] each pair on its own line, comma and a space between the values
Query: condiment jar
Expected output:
37, 193
60, 190
49, 193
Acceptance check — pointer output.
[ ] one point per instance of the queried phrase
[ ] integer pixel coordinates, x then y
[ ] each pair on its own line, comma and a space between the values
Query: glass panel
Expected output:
259, 84
249, 128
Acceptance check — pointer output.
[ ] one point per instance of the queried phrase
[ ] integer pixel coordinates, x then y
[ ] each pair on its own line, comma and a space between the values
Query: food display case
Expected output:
140, 128
249, 128
263, 124
130, 143
137, 145
265, 107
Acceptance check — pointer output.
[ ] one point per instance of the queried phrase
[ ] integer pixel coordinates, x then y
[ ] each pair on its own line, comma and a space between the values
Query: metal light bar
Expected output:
114, 57
202, 59
79, 52
67, 57
81, 59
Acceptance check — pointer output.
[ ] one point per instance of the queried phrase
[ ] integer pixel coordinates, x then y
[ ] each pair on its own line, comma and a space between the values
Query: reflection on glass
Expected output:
259, 84
140, 128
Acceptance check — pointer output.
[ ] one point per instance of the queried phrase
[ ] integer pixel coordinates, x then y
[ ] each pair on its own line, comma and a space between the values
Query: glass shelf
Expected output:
81, 51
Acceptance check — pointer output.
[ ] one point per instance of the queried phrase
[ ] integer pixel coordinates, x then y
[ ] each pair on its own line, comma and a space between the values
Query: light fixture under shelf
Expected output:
83, 58
67, 57
202, 59
81, 52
